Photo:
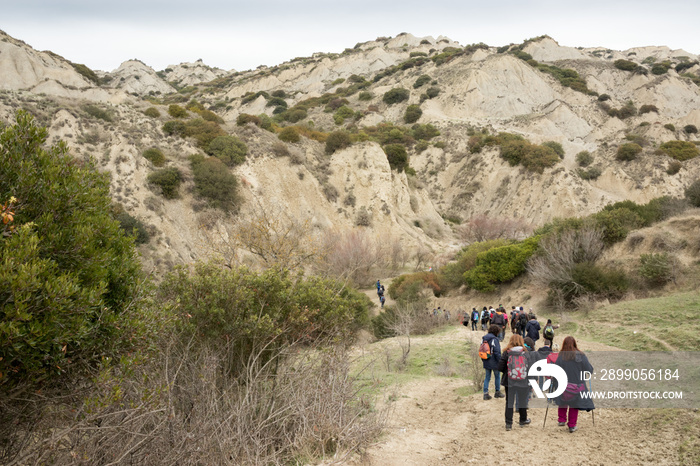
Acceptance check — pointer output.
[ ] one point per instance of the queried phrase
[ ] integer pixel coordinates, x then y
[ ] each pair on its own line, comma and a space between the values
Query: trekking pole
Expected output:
546, 411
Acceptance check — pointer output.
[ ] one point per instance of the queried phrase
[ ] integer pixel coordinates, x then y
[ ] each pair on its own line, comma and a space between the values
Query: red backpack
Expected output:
517, 366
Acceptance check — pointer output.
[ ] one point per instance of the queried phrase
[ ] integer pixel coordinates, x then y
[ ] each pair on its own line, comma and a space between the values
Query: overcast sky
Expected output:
244, 34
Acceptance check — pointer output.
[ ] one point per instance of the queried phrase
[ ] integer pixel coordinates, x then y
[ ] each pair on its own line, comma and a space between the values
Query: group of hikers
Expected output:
520, 354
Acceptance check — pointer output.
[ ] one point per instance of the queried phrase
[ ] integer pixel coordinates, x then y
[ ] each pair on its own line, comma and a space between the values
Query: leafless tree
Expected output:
483, 228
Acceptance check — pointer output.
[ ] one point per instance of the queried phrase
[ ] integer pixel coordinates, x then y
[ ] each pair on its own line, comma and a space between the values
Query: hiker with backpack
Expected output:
490, 354
382, 299
475, 318
548, 332
522, 322
485, 319
574, 362
499, 319
532, 329
514, 364
513, 319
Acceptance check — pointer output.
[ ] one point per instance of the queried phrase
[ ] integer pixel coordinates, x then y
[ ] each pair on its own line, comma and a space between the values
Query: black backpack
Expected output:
523, 320
498, 319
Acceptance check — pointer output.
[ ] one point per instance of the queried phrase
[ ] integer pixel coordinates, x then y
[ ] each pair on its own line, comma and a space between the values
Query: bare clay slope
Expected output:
481, 88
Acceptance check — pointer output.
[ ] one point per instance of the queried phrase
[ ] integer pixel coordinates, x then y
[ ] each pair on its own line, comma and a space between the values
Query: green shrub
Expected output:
421, 81
175, 111
603, 97
364, 96
514, 151
407, 288
289, 134
294, 115
660, 68
70, 275
167, 180
244, 118
674, 166
628, 152
584, 158
152, 112
680, 150
155, 156
279, 93
592, 173
228, 149
97, 112
174, 127
690, 129
337, 140
453, 272
342, 113
396, 95
537, 158
413, 114
131, 225
276, 102
432, 92
626, 111
500, 265
670, 127
424, 132
625, 65
657, 269
600, 282
208, 115
556, 147
203, 132
215, 183
647, 108
217, 305
417, 54
692, 193
397, 156
617, 223
251, 96
85, 71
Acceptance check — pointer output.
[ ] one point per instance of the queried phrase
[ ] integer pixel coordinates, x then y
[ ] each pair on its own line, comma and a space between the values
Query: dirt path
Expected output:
431, 424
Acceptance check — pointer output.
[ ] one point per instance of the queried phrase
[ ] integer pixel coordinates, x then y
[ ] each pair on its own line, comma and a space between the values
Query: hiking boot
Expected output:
562, 424
573, 429
525, 422
498, 394
487, 396
509, 426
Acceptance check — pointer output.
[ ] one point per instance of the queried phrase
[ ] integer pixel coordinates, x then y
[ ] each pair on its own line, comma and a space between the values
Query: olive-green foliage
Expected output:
397, 156
174, 127
69, 273
342, 113
447, 54
175, 111
152, 112
422, 80
413, 114
593, 280
617, 223
245, 118
365, 95
657, 269
228, 149
584, 158
215, 183
603, 97
453, 272
276, 102
680, 150
337, 140
648, 108
131, 225
336, 103
591, 173
251, 96
396, 95
661, 68
674, 166
202, 131
567, 77
97, 112
262, 313
407, 288
289, 134
692, 193
625, 65
432, 92
279, 93
167, 180
194, 106
533, 157
294, 115
500, 265
556, 147
208, 115
627, 152
626, 111
155, 156
670, 126
690, 129
85, 71
424, 132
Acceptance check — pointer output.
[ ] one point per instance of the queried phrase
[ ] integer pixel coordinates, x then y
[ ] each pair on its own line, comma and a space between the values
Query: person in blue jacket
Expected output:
491, 364
532, 329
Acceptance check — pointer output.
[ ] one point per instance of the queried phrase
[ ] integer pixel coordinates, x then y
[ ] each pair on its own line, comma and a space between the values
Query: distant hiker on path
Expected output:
475, 318
548, 332
532, 329
574, 362
490, 353
499, 319
485, 319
